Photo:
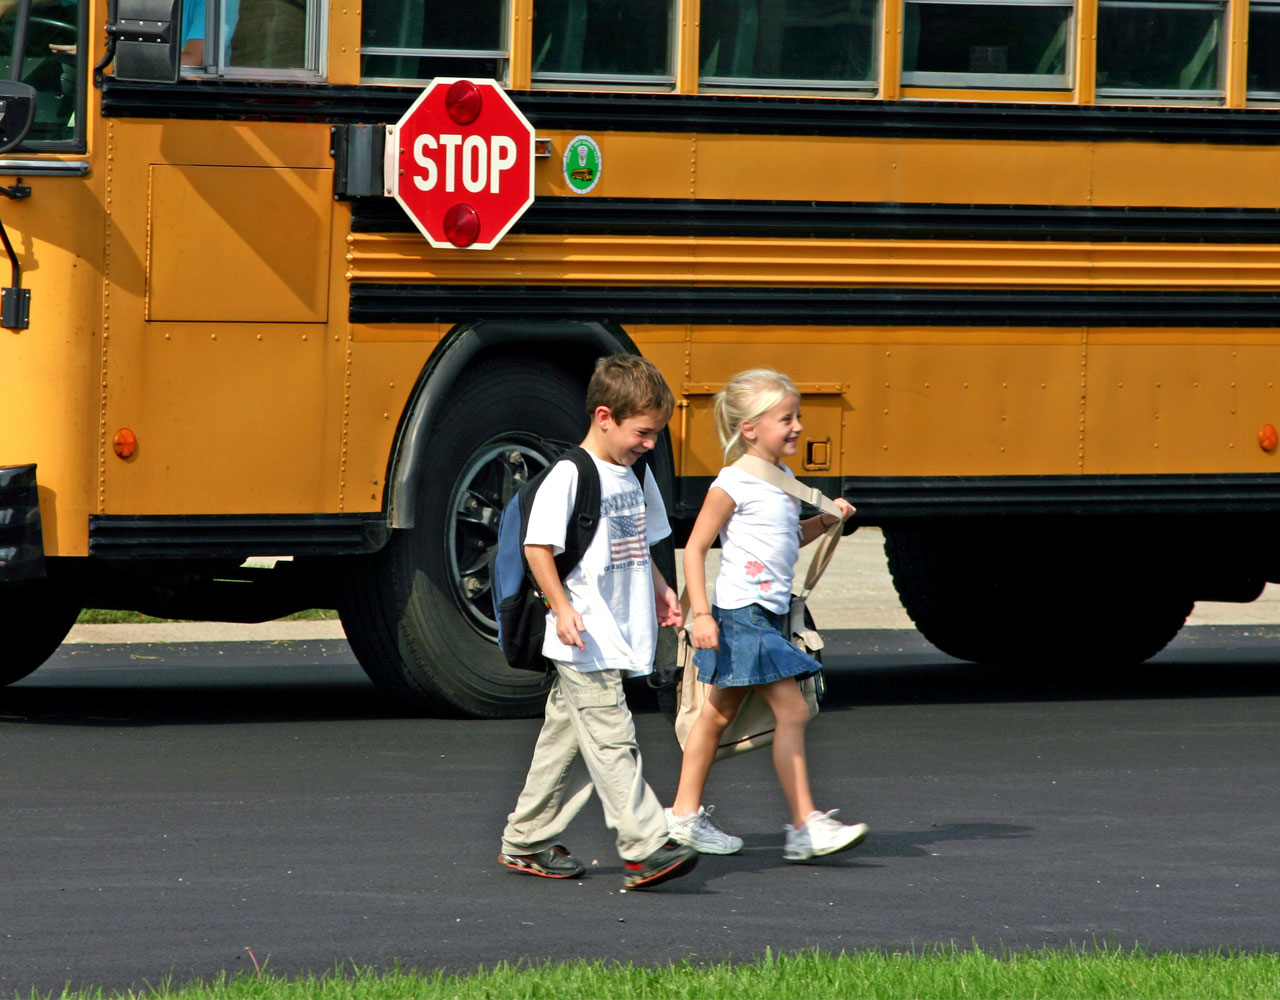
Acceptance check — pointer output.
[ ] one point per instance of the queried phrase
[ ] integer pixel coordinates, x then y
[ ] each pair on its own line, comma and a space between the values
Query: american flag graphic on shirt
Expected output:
627, 538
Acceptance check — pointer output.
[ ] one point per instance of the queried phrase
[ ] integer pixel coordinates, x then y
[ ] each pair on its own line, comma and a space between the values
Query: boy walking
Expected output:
602, 623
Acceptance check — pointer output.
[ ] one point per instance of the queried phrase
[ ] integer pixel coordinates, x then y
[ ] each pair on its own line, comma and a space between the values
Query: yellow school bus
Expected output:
1022, 257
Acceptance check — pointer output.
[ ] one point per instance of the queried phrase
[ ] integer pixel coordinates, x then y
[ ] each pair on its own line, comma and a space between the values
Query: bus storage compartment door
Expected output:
818, 451
216, 256
21, 542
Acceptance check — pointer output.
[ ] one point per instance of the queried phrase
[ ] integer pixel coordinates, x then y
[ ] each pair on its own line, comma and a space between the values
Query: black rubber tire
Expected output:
34, 619
412, 627
1047, 595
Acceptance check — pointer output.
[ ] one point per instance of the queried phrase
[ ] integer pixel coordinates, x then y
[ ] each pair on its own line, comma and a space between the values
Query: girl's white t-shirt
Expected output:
759, 543
612, 588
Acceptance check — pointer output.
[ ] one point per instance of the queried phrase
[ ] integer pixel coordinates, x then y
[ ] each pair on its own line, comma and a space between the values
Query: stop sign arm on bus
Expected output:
460, 163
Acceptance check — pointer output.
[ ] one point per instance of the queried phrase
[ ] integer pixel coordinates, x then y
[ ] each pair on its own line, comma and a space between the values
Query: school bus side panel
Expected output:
49, 410
218, 356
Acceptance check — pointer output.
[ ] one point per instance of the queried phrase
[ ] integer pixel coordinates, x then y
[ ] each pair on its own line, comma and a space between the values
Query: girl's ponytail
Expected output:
748, 396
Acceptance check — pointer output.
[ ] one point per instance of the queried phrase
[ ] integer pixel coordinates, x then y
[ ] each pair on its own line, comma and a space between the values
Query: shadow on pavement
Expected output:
883, 667
197, 684
763, 853
319, 680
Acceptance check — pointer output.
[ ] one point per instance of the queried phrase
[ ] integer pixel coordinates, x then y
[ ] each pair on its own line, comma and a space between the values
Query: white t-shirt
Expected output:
612, 588
759, 543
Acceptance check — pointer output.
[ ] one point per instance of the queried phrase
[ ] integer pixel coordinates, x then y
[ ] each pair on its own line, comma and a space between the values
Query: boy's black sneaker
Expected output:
671, 860
554, 862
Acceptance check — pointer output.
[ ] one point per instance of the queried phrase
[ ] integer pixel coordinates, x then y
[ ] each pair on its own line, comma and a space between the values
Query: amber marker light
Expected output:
1267, 438
125, 443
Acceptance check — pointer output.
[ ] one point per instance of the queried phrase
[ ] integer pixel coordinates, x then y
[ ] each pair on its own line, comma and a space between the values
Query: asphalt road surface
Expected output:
186, 809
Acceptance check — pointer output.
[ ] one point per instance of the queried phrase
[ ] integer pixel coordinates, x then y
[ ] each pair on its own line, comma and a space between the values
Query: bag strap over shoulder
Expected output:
774, 476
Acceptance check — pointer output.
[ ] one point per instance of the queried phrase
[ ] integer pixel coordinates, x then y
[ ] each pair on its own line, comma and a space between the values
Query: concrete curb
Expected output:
207, 632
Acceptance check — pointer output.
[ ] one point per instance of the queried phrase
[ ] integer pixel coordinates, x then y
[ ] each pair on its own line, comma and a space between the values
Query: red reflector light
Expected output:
1267, 438
461, 225
462, 102
124, 443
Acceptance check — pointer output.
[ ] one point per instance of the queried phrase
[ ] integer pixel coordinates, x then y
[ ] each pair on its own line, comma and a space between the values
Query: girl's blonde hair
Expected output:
748, 396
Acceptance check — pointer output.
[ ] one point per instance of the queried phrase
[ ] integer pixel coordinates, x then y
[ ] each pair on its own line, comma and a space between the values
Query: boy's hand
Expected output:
668, 608
705, 634
569, 627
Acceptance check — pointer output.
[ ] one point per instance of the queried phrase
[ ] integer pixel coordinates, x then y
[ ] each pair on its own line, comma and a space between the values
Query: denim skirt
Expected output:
753, 649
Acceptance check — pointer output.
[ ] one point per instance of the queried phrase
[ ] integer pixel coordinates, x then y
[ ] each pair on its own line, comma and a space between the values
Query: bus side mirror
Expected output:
17, 112
147, 36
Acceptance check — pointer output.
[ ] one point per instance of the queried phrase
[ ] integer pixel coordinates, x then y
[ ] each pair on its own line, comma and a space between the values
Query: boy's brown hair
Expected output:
629, 385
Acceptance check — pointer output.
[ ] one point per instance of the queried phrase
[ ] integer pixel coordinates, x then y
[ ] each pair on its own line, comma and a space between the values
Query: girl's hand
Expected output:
706, 635
847, 510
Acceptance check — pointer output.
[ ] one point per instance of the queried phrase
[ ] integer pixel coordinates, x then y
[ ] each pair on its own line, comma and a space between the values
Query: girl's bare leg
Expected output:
792, 713
700, 748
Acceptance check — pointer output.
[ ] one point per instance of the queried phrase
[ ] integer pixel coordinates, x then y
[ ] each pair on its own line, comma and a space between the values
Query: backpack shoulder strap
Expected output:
585, 516
643, 467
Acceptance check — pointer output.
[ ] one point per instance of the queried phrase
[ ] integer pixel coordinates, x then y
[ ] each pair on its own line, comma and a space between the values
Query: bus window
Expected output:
275, 34
1264, 52
594, 41
54, 63
788, 44
203, 22
954, 43
258, 37
1171, 48
417, 40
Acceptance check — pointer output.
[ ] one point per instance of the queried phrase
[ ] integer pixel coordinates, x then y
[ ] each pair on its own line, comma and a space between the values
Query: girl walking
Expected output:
740, 642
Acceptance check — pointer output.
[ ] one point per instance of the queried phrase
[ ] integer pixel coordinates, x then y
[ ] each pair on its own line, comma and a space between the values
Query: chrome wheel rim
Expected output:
488, 481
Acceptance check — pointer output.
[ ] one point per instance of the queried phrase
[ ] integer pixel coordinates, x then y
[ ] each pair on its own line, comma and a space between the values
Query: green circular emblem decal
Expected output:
582, 164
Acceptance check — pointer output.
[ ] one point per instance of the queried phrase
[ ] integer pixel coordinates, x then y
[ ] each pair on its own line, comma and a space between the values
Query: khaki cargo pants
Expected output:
587, 741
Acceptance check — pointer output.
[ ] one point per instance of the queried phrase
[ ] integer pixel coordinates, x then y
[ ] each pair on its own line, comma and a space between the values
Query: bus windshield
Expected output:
53, 61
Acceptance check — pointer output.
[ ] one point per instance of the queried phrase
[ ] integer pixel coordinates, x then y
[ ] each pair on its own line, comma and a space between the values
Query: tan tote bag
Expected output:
753, 726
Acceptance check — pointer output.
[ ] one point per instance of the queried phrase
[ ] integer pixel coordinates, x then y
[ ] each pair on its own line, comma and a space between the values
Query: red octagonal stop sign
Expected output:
460, 162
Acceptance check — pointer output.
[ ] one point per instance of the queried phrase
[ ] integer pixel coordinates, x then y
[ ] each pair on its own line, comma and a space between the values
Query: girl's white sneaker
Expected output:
700, 832
822, 834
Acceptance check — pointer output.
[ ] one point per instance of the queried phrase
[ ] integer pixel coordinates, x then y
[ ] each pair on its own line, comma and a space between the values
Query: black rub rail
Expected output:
757, 305
220, 536
882, 500
709, 114
860, 220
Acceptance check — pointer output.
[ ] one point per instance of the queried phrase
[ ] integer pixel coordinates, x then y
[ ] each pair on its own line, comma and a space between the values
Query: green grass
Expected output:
941, 973
99, 616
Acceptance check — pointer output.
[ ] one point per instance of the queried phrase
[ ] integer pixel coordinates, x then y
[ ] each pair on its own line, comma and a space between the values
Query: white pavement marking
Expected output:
856, 592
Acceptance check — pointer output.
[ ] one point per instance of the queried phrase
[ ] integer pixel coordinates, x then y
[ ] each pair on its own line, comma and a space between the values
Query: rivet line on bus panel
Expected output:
693, 166
346, 427
1084, 372
106, 322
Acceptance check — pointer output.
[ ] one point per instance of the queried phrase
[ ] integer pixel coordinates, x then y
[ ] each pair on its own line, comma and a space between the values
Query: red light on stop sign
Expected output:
461, 225
462, 101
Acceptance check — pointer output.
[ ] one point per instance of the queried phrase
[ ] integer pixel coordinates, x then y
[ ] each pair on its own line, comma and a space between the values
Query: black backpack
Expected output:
521, 611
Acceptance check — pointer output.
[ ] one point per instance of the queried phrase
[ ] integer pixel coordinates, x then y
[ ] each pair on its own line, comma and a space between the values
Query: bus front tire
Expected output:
34, 619
417, 613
